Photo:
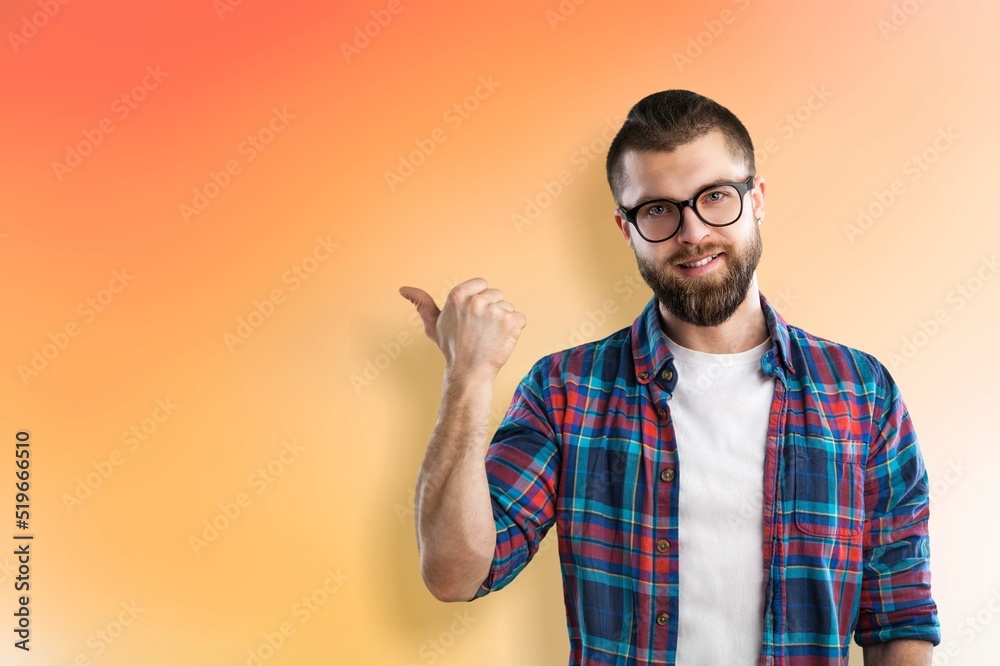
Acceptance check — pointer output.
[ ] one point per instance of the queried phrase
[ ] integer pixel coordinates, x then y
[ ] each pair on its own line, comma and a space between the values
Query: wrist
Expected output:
469, 377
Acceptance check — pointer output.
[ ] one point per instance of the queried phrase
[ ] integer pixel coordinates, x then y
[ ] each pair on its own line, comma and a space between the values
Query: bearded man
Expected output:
728, 488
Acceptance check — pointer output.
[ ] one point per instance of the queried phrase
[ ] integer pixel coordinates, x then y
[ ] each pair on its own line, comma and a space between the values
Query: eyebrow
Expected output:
648, 199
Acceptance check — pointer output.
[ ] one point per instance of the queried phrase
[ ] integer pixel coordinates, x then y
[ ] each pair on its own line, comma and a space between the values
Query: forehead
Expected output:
680, 173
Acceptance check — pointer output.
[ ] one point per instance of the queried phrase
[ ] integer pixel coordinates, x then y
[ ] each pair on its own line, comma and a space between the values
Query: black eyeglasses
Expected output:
718, 205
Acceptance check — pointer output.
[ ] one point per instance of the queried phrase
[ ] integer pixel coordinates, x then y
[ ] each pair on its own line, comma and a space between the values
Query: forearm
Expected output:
456, 534
900, 652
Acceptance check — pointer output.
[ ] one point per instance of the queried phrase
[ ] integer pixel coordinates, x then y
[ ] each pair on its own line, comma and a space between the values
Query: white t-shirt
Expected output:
720, 410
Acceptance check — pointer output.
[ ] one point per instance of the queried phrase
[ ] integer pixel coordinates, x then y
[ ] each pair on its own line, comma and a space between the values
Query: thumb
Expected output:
425, 306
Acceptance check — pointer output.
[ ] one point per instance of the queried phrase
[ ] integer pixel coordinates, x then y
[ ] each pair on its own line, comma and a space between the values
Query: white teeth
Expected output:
700, 263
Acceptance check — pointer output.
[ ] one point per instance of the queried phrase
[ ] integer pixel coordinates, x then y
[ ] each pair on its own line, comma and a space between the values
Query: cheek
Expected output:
739, 238
653, 254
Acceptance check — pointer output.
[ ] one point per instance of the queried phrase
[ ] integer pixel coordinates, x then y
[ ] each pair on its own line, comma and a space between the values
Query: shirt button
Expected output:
662, 413
643, 375
663, 545
667, 475
667, 374
662, 619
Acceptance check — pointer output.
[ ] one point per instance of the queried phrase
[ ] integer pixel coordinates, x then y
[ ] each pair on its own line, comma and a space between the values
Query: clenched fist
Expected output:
476, 329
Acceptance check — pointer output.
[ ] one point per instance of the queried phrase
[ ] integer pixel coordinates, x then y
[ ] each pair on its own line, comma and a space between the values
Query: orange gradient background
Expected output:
301, 439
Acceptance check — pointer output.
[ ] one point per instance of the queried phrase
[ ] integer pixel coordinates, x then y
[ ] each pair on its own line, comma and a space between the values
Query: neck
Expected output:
744, 330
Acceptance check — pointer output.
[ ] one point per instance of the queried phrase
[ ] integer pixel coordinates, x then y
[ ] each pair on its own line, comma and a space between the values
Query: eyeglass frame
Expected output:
741, 187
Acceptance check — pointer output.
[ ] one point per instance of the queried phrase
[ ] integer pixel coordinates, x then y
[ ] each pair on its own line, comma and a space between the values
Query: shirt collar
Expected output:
651, 352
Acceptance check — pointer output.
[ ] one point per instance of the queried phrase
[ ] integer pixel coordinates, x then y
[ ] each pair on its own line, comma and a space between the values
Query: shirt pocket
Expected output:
827, 485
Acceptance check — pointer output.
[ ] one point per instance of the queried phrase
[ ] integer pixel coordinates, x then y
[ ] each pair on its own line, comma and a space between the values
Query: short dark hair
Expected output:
669, 119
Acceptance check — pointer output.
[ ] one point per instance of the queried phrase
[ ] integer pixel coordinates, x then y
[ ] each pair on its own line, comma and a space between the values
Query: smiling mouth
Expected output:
700, 262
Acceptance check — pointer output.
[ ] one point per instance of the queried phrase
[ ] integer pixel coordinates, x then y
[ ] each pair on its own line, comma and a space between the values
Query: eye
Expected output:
715, 196
658, 209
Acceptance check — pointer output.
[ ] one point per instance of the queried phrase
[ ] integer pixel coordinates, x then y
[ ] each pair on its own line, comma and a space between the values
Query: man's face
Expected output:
704, 295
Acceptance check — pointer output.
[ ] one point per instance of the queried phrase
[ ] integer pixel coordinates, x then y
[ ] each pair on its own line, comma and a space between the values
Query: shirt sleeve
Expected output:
522, 463
896, 597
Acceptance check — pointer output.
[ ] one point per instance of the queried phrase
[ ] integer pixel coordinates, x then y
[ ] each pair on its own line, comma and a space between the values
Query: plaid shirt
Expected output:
588, 444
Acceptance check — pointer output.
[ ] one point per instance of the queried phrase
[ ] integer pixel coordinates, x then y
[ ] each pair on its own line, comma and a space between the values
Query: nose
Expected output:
693, 230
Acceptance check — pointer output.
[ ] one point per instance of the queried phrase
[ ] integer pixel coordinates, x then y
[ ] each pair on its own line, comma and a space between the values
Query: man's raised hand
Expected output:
476, 329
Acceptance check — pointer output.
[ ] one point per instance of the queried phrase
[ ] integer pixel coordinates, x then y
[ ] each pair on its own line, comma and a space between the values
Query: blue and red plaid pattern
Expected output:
588, 445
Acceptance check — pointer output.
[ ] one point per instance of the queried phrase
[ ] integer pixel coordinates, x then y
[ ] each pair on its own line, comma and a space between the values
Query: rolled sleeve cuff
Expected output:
919, 624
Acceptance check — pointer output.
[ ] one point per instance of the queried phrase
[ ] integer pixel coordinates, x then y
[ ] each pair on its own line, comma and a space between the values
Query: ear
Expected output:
757, 197
624, 226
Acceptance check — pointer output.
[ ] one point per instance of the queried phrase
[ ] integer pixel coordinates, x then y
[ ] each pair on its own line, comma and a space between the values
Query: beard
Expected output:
705, 300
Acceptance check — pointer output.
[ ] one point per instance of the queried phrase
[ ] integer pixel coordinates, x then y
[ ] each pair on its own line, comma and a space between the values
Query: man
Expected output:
728, 488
